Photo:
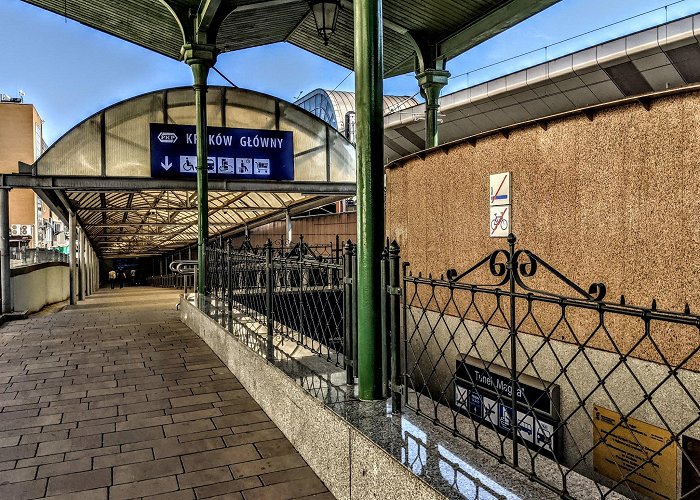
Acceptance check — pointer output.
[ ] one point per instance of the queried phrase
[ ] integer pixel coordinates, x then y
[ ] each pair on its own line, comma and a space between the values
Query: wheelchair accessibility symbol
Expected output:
188, 164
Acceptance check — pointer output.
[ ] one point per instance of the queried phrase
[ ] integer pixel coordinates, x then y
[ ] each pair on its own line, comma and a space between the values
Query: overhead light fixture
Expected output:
325, 15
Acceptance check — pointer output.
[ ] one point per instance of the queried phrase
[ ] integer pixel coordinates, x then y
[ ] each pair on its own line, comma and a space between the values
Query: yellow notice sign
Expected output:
629, 445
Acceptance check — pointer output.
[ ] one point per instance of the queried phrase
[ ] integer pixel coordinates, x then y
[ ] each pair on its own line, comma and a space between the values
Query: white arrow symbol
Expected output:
166, 165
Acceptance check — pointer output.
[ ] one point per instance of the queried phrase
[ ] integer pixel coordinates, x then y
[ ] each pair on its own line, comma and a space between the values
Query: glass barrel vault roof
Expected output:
115, 143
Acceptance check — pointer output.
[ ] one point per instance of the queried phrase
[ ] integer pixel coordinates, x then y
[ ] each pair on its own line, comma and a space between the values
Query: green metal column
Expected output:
200, 58
73, 282
369, 88
431, 82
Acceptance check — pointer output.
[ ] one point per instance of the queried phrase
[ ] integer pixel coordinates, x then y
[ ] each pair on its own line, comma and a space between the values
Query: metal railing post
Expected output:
269, 299
353, 312
395, 326
347, 313
513, 349
229, 277
385, 358
404, 331
300, 294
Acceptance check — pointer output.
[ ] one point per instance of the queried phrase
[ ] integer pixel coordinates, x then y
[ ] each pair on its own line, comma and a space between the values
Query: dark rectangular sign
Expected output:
233, 153
484, 393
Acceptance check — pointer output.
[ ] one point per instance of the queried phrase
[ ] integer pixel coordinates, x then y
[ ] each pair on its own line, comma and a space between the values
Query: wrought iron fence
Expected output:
550, 378
300, 292
172, 280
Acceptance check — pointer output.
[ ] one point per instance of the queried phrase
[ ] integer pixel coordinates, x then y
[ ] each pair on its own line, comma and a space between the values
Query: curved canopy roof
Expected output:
332, 105
443, 28
102, 166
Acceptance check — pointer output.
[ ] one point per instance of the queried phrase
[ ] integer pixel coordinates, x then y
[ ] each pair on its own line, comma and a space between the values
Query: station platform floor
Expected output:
116, 398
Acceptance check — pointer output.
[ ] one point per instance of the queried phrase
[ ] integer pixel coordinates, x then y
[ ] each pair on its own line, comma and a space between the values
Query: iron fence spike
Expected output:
687, 309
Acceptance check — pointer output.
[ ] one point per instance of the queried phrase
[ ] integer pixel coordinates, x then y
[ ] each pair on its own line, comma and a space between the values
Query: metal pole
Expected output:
370, 191
288, 220
395, 326
93, 288
87, 271
81, 269
513, 349
431, 82
200, 58
269, 299
386, 356
5, 276
347, 313
71, 259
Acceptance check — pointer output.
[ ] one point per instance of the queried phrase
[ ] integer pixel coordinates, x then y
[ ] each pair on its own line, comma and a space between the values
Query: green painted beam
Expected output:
370, 193
200, 58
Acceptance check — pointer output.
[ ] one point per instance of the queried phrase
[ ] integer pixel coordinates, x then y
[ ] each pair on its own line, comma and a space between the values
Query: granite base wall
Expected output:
621, 393
351, 465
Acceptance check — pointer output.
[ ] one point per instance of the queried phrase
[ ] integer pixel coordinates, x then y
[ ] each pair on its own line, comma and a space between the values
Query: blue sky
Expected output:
69, 71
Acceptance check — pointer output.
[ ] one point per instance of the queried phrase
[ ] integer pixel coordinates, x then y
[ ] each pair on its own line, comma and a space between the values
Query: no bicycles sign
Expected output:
499, 205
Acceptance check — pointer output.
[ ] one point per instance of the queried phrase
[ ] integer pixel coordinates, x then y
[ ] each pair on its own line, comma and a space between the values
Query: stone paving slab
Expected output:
116, 399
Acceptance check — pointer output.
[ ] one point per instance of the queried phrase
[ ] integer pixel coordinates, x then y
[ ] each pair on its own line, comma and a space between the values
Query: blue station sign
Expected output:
233, 153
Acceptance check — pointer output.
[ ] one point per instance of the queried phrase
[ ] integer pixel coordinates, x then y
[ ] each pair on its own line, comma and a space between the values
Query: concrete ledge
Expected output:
30, 268
350, 464
13, 316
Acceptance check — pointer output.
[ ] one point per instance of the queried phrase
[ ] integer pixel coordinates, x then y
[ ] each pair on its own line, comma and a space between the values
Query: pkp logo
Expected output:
167, 137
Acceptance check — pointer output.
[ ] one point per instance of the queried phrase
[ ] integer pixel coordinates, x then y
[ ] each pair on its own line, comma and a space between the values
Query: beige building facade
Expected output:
21, 140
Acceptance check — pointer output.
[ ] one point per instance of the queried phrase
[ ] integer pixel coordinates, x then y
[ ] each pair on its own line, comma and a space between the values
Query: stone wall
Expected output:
611, 199
34, 287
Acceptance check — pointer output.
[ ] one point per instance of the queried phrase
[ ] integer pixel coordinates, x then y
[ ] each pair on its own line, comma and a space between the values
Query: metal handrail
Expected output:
184, 268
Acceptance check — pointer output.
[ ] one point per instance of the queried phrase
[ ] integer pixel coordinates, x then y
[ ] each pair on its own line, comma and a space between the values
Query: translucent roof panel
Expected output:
332, 106
156, 219
115, 141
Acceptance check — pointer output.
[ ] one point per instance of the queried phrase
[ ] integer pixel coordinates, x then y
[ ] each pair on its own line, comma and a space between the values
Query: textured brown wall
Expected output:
614, 199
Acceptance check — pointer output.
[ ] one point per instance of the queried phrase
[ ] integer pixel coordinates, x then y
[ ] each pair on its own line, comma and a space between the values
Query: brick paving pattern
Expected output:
116, 398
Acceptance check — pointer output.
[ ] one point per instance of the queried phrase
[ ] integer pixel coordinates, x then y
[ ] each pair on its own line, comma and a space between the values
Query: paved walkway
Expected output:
116, 398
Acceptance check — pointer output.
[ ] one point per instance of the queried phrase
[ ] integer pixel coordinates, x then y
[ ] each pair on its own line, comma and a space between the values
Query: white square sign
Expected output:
261, 166
499, 221
188, 164
526, 426
226, 165
244, 165
211, 164
499, 189
544, 434
490, 410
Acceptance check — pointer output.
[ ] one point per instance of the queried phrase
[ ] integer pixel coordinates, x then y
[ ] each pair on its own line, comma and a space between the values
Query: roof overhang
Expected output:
429, 29
101, 170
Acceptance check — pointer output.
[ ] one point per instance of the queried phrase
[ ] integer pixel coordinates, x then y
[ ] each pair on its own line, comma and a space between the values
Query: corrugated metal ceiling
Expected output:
452, 26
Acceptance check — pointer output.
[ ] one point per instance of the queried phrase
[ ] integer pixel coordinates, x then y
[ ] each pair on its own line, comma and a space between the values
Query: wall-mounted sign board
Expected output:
499, 221
640, 453
483, 392
499, 205
499, 189
233, 153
